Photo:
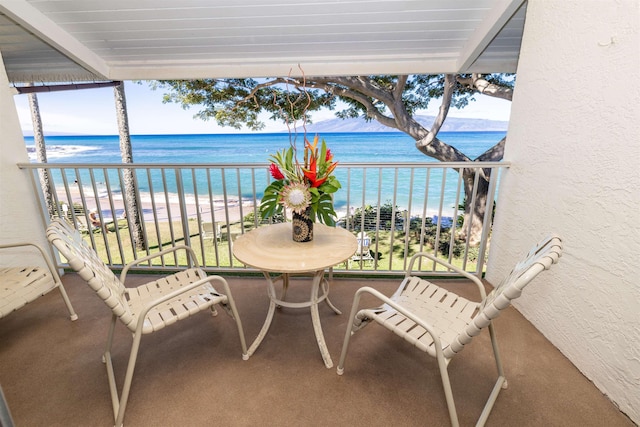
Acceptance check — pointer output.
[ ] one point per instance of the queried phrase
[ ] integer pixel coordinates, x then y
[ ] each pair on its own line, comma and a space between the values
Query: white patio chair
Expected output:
21, 285
363, 253
440, 322
146, 308
211, 231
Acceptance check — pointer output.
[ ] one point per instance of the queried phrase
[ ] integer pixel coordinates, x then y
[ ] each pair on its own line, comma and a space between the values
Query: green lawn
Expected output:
216, 254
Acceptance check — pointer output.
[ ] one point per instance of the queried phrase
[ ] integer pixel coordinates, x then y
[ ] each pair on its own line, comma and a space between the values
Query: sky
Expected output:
92, 112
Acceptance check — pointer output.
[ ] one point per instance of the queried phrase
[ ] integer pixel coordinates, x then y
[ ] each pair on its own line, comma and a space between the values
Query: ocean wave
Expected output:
59, 151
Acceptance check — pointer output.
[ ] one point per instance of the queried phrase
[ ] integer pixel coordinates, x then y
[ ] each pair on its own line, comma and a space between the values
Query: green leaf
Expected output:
331, 185
322, 209
269, 205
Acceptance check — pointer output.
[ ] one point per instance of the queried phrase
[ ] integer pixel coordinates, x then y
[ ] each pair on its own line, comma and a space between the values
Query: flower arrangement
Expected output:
302, 187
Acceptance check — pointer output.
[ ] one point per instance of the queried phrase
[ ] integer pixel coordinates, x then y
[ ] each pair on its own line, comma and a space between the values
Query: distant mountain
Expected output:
451, 124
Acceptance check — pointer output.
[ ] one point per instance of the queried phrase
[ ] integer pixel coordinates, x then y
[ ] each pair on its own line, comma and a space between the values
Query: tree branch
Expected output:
363, 90
449, 86
399, 90
493, 154
484, 87
349, 89
433, 147
258, 87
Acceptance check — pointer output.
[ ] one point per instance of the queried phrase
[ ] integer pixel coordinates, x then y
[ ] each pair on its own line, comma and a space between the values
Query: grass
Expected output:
214, 254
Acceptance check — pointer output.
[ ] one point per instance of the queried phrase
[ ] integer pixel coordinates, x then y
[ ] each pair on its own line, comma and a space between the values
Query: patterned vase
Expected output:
302, 226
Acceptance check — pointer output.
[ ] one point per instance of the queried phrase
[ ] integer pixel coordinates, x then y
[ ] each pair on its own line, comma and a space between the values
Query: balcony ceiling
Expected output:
88, 40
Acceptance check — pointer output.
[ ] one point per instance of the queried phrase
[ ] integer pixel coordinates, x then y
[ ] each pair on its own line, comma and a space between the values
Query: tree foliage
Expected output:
388, 99
393, 101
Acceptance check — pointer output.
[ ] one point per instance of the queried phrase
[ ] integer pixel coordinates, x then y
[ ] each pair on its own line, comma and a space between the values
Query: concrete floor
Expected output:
192, 373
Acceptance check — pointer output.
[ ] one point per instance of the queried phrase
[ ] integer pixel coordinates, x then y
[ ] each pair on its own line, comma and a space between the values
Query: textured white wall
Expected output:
574, 142
20, 219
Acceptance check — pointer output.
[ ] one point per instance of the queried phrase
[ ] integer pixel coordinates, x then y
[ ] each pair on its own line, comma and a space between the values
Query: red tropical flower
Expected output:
301, 185
275, 171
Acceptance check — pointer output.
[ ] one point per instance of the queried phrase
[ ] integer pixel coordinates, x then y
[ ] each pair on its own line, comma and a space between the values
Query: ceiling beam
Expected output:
32, 20
486, 32
56, 88
273, 67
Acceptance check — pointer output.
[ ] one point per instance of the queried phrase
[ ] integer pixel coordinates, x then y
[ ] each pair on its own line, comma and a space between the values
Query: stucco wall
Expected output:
20, 219
574, 142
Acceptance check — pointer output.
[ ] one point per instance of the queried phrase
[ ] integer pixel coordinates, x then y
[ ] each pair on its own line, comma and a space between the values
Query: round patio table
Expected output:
271, 249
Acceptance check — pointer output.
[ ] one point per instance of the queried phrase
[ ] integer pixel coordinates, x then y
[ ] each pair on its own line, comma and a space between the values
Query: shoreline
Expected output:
160, 207
164, 207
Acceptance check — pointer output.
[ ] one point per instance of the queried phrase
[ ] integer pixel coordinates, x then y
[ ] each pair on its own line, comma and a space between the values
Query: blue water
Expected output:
254, 148
382, 147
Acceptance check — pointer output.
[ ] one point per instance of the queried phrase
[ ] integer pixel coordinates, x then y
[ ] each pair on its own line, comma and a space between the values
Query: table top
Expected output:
271, 248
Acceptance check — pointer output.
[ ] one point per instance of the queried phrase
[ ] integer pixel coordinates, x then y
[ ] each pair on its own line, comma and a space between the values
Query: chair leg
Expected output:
500, 384
119, 403
56, 279
348, 332
72, 314
448, 393
124, 397
496, 353
112, 327
236, 317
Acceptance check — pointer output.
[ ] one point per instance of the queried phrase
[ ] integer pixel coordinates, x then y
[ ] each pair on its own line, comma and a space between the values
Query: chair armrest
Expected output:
190, 254
19, 244
474, 279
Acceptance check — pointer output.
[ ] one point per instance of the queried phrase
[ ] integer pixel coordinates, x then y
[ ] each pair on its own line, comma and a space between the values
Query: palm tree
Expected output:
126, 152
41, 151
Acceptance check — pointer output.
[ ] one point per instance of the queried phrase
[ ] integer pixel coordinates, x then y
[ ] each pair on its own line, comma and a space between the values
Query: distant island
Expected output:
451, 124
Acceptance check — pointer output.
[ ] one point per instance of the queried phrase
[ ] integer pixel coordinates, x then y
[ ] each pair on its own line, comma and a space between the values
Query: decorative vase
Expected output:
302, 226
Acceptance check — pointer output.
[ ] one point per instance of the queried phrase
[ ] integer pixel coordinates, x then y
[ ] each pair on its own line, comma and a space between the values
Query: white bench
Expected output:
24, 284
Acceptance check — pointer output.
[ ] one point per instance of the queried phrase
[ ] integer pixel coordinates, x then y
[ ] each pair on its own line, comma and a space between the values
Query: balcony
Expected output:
563, 178
203, 377
192, 373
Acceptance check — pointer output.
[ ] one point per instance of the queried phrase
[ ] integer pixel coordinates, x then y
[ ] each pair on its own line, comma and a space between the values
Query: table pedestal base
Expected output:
318, 283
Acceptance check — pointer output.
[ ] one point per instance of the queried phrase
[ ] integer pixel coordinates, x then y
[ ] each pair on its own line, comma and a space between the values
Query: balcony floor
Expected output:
192, 373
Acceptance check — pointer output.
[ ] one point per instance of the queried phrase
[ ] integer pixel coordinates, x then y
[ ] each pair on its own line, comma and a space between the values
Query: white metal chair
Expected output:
21, 285
363, 253
146, 308
211, 231
440, 322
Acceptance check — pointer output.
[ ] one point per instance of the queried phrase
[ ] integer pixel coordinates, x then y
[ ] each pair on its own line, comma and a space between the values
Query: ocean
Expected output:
357, 147
381, 147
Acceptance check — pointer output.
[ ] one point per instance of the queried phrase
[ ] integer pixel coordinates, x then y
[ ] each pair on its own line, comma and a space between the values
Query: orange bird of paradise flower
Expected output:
311, 156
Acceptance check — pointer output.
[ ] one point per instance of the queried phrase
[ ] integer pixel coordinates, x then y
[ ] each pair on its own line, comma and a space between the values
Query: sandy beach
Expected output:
160, 207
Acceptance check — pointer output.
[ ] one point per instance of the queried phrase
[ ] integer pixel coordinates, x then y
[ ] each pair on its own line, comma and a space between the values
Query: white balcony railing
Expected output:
404, 208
